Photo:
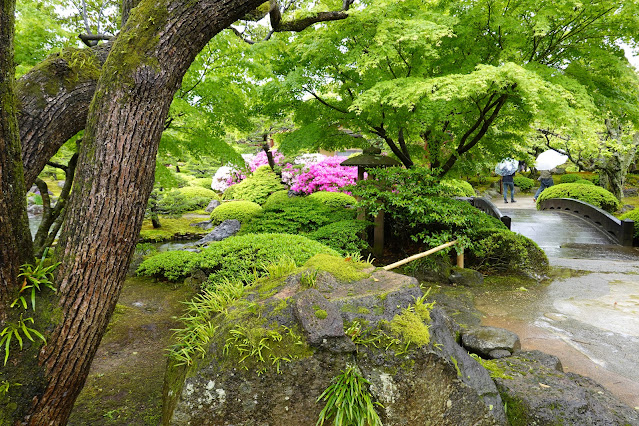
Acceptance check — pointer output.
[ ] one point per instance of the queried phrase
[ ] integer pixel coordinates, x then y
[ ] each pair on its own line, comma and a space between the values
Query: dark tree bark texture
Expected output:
53, 103
15, 246
113, 181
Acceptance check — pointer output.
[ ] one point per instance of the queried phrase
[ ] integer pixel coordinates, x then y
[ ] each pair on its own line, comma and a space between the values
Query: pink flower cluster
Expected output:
327, 175
260, 159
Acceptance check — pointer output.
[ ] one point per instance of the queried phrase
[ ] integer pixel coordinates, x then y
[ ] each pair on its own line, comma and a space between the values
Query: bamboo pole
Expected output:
418, 256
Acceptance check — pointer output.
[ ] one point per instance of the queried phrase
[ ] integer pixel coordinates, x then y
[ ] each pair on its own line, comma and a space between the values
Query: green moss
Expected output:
321, 314
362, 310
342, 269
454, 361
411, 328
171, 229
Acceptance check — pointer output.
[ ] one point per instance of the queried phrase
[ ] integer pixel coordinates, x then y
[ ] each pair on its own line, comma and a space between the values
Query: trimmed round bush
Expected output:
506, 251
276, 198
343, 236
595, 195
234, 257
170, 265
333, 199
296, 215
633, 215
237, 257
257, 187
204, 182
456, 188
584, 182
523, 183
199, 192
570, 178
240, 210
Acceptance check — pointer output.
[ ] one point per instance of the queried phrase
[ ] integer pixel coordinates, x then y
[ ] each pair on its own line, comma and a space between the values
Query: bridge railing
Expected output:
621, 230
487, 206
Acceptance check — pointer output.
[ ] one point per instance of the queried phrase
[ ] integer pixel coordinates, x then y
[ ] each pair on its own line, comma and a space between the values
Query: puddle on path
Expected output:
590, 322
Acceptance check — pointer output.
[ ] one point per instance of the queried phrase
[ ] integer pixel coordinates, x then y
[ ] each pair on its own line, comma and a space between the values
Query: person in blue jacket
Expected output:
508, 182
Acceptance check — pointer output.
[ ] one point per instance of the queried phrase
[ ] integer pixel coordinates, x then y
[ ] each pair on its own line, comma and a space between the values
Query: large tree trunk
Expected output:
15, 241
53, 102
113, 181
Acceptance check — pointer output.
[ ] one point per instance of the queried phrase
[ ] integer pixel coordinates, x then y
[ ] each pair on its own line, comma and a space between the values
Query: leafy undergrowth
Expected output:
124, 386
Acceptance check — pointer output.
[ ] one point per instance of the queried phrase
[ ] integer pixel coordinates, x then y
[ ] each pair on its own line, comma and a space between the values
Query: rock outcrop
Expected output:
538, 392
280, 346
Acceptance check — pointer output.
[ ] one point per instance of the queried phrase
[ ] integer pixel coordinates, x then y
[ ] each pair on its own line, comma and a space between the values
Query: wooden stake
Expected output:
418, 256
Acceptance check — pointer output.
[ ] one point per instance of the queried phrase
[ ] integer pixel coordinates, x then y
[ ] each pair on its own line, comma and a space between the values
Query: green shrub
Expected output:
239, 256
257, 187
456, 188
276, 198
333, 199
296, 215
240, 210
416, 213
633, 215
506, 251
590, 194
185, 199
171, 265
584, 182
523, 183
199, 192
343, 236
234, 258
204, 182
570, 178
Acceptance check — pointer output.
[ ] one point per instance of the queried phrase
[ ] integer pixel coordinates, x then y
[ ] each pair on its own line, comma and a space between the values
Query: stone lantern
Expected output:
372, 158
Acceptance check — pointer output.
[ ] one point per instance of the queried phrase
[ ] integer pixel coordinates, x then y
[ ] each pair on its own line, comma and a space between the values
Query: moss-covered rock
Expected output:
276, 349
538, 392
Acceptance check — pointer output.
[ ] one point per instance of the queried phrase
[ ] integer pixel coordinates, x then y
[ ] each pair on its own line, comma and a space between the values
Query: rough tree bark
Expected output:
15, 243
113, 181
53, 102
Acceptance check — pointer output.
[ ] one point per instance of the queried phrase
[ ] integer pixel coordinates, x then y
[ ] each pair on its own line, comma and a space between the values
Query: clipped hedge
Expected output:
523, 183
633, 215
240, 210
343, 236
234, 258
170, 265
257, 187
456, 188
504, 251
276, 198
570, 178
296, 215
333, 199
584, 182
595, 195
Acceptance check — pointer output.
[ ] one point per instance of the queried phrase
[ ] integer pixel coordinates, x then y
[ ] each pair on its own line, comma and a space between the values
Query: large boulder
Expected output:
538, 392
274, 351
226, 229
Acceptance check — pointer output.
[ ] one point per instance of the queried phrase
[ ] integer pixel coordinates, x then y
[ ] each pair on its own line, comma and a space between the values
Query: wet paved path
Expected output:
590, 318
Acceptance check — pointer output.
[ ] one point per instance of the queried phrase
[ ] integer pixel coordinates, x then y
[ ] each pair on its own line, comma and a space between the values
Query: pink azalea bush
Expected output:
260, 159
327, 175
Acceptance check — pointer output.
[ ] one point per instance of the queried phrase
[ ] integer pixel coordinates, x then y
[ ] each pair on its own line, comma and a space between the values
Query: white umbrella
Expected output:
507, 167
550, 159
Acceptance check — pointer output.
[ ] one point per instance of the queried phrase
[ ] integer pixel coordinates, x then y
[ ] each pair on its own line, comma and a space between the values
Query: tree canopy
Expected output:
434, 80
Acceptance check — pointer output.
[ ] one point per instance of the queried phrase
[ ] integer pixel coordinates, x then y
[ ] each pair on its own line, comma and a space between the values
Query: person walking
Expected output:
509, 182
545, 177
